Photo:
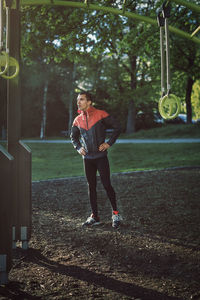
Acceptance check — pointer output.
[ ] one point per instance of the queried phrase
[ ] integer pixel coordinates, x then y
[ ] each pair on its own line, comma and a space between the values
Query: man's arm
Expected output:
111, 122
75, 137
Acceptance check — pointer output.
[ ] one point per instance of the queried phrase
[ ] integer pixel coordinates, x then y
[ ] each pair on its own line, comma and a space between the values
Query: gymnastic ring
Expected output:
12, 63
5, 60
167, 103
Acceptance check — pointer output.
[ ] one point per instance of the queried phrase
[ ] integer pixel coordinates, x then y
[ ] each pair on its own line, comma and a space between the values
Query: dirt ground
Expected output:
154, 255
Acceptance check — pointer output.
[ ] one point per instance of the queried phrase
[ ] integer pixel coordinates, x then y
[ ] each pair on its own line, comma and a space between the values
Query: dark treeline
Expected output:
65, 50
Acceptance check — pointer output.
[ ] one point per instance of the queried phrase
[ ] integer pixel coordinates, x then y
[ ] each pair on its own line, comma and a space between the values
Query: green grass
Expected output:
61, 160
168, 131
132, 157
55, 161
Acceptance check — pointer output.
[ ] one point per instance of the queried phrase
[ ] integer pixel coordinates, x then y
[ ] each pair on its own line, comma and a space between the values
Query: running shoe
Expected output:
91, 221
116, 220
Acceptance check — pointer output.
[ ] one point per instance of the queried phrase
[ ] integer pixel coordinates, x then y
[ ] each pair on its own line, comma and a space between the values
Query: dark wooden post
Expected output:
21, 202
15, 166
6, 193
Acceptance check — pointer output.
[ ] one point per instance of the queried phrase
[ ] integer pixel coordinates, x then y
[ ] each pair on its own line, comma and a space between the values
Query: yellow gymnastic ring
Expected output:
12, 63
167, 105
4, 62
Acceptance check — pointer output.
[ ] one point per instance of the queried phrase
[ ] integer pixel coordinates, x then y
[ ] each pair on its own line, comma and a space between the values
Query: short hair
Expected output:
87, 94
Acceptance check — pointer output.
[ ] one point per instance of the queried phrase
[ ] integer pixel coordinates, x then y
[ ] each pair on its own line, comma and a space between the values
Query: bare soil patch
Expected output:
154, 255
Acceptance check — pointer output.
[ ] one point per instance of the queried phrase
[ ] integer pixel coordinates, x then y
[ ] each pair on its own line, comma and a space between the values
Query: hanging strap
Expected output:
166, 9
161, 23
87, 3
124, 7
169, 105
7, 61
167, 56
8, 4
8, 7
162, 17
7, 29
1, 25
4, 57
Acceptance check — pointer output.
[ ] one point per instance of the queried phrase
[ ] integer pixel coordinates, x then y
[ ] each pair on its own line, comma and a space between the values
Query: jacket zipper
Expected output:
92, 143
86, 120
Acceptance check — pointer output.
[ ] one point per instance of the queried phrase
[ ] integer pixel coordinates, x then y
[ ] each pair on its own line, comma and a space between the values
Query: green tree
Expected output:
93, 36
116, 57
196, 99
46, 53
185, 57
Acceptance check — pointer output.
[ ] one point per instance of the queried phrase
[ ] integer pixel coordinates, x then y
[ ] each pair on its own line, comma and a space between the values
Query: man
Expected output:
88, 137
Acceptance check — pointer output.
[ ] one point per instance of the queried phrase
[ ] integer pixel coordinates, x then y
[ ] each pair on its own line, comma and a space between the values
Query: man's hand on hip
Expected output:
82, 151
104, 147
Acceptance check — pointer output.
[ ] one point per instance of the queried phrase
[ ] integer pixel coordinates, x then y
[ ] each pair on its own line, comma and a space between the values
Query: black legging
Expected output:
102, 165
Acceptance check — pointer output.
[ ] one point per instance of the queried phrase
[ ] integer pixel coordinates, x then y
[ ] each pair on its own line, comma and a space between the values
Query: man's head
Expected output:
84, 100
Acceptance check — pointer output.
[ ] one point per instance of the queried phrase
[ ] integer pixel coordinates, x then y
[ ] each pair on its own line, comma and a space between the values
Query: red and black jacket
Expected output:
89, 131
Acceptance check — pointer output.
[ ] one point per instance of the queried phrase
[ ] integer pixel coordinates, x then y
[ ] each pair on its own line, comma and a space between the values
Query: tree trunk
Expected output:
190, 83
130, 126
71, 97
44, 112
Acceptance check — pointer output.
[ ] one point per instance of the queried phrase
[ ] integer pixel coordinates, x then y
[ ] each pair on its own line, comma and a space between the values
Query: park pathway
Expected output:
128, 141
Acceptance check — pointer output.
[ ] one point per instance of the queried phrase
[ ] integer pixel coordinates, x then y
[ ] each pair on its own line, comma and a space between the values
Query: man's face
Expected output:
83, 103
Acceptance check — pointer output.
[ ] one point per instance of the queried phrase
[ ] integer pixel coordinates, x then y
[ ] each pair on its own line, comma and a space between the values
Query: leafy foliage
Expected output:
116, 58
196, 99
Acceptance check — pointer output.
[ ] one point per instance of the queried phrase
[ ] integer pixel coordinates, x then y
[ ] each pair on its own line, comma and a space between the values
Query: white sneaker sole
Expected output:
90, 225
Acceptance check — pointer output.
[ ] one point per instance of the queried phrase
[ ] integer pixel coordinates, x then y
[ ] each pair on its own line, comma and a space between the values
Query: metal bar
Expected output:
109, 10
197, 30
184, 34
187, 4
91, 6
